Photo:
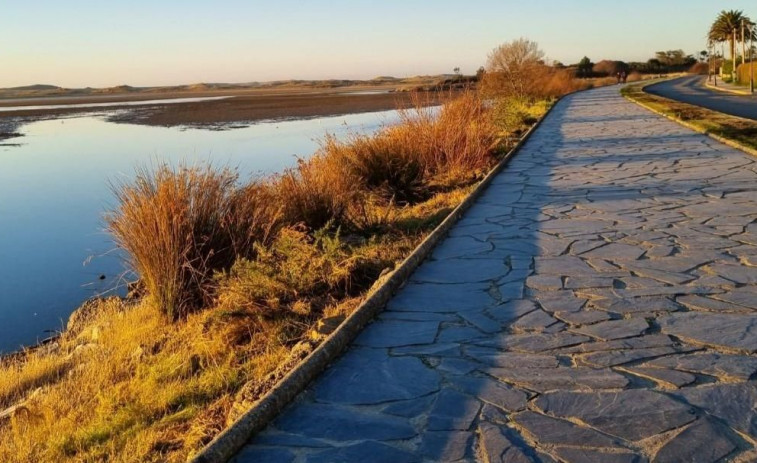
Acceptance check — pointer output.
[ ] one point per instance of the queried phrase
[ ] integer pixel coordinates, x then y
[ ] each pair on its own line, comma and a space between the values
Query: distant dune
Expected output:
396, 83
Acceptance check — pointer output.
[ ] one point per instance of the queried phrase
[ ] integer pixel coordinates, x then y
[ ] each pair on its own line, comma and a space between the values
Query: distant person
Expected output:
624, 76
618, 76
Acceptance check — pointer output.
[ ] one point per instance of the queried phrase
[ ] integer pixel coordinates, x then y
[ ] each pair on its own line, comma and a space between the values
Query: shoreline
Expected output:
224, 114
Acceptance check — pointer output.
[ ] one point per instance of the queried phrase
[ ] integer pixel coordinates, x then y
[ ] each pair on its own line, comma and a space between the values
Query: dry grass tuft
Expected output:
180, 225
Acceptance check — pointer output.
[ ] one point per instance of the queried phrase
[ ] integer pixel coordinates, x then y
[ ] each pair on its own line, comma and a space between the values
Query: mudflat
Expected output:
238, 107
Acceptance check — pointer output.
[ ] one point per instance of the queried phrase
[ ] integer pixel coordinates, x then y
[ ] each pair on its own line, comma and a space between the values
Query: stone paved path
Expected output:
598, 304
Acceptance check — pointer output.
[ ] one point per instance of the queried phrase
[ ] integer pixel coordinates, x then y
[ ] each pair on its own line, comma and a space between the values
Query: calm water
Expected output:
54, 191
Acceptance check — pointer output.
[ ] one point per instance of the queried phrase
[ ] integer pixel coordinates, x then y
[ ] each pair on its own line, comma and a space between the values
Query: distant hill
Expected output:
36, 87
394, 83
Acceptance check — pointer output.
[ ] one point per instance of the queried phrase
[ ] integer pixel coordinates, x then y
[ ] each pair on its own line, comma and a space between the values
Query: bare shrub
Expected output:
510, 67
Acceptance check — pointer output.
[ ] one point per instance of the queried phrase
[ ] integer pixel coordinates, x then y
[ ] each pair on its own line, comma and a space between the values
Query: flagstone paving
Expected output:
597, 304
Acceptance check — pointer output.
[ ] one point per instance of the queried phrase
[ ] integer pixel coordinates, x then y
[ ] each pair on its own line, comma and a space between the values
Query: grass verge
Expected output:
737, 130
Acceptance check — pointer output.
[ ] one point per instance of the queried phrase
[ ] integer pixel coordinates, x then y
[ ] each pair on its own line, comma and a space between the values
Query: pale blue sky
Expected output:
160, 42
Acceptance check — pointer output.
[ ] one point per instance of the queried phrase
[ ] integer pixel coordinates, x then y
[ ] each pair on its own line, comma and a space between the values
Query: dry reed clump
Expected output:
317, 192
179, 225
386, 164
456, 142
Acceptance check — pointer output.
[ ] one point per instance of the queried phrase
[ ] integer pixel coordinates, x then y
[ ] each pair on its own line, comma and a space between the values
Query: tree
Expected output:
703, 55
609, 67
480, 73
514, 63
722, 30
585, 66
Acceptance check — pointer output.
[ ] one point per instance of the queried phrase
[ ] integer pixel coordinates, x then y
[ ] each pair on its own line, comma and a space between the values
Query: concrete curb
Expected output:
725, 141
726, 90
233, 438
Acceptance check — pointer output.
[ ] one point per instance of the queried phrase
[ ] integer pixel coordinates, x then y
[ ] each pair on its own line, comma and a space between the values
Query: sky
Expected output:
78, 43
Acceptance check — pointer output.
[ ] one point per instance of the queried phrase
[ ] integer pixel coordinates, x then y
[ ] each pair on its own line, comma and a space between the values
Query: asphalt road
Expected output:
693, 91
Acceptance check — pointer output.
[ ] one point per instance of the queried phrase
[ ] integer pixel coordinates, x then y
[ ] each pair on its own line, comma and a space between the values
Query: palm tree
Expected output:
722, 30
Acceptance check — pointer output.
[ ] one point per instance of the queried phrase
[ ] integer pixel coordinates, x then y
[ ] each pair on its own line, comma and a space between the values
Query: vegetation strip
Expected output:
226, 444
734, 131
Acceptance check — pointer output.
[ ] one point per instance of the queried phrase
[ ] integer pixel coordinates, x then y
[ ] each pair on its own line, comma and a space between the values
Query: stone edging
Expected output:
725, 141
233, 438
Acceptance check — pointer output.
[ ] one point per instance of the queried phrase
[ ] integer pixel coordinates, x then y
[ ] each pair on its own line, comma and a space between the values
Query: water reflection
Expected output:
54, 191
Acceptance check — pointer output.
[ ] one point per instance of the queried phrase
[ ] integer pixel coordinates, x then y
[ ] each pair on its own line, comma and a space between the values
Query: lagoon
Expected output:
54, 190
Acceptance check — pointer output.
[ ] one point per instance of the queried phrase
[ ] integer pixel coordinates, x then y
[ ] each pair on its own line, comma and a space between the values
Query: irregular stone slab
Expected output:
457, 366
497, 447
562, 378
573, 455
619, 357
362, 377
722, 330
501, 395
538, 320
429, 297
445, 445
409, 408
367, 451
637, 304
669, 378
452, 411
533, 343
561, 301
460, 271
251, 454
563, 265
458, 333
736, 404
342, 424
544, 282
450, 349
567, 226
631, 415
454, 247
588, 282
510, 291
482, 322
745, 296
513, 359
706, 304
643, 342
725, 366
552, 431
740, 274
672, 278
614, 329
615, 252
584, 317
702, 442
397, 333
512, 310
